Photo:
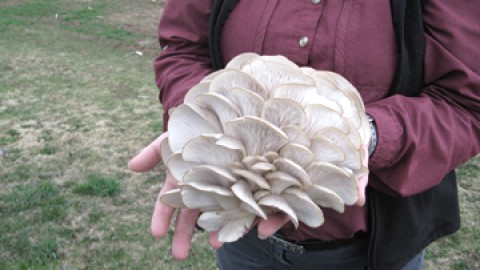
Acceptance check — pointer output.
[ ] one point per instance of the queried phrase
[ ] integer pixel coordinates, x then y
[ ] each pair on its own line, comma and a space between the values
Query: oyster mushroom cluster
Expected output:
263, 136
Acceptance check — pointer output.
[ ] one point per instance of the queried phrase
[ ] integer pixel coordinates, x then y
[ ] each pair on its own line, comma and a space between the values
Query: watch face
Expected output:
373, 136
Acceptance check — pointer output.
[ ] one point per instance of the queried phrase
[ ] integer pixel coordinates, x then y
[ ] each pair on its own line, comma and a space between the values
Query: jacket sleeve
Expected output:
185, 58
422, 138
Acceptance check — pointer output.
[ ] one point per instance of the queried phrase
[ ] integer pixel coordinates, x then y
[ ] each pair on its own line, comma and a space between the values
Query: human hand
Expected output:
186, 219
163, 214
362, 181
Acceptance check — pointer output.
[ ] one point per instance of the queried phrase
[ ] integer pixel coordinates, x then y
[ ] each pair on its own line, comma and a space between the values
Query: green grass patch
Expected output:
25, 253
84, 14
10, 136
100, 30
47, 135
20, 173
23, 15
98, 185
7, 23
48, 150
9, 110
11, 154
469, 169
44, 195
31, 9
27, 232
95, 216
90, 21
74, 123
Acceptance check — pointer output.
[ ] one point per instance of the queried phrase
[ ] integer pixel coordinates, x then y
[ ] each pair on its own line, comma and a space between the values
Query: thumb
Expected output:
271, 225
362, 181
362, 185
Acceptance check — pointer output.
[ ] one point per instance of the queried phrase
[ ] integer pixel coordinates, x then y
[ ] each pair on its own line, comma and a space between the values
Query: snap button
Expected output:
303, 41
316, 1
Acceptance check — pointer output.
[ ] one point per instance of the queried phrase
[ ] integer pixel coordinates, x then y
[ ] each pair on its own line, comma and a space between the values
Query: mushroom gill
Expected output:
264, 136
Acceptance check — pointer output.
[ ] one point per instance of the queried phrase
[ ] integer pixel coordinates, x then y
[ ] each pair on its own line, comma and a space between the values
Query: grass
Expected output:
76, 103
97, 185
41, 206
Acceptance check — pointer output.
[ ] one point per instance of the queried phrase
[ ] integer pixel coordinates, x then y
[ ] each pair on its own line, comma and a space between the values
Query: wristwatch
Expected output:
373, 137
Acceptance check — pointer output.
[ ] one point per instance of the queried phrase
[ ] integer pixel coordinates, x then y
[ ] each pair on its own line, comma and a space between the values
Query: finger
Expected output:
361, 185
213, 240
273, 223
362, 181
182, 236
149, 157
163, 213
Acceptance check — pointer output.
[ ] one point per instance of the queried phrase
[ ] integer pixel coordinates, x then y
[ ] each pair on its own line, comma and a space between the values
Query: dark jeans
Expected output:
251, 253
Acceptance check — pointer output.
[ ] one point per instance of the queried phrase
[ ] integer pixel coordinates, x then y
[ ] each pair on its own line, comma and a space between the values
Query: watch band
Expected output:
373, 137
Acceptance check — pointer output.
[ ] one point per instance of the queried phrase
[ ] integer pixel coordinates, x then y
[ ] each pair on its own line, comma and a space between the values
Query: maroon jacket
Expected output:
420, 139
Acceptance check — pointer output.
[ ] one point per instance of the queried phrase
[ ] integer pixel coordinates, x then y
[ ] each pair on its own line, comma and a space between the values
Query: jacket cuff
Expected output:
390, 135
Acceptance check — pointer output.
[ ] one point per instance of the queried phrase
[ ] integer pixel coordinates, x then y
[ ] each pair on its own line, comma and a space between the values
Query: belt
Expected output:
300, 247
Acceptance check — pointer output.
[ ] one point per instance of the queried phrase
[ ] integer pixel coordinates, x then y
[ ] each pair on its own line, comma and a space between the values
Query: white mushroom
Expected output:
264, 136
231, 224
186, 124
335, 179
292, 112
253, 132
